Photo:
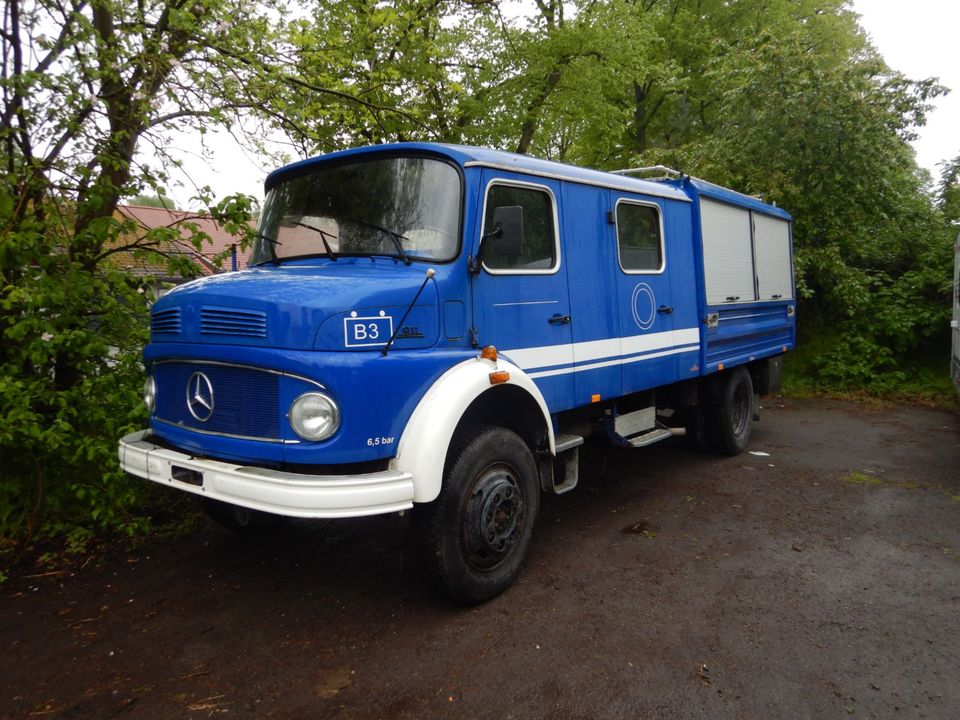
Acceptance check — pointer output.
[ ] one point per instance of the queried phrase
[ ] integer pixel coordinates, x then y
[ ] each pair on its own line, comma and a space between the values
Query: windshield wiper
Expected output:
323, 236
272, 242
392, 234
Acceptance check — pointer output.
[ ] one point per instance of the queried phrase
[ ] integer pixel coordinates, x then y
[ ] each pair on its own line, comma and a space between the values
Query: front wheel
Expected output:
476, 534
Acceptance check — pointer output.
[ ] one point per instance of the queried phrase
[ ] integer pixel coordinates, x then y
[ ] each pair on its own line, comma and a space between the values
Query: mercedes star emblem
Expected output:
200, 396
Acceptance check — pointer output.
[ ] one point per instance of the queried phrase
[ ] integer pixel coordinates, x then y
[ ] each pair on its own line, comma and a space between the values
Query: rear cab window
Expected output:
639, 237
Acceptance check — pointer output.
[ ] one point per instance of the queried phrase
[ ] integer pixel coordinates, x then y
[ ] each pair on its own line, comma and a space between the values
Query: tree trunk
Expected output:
532, 116
640, 119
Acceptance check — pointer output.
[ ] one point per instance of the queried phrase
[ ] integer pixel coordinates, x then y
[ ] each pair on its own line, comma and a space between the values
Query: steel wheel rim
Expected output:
493, 517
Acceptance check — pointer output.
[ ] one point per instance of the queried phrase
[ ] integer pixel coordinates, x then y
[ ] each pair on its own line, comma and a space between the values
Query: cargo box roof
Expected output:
716, 192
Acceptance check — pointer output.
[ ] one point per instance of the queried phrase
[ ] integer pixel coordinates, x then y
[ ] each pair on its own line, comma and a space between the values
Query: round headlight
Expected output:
150, 394
314, 416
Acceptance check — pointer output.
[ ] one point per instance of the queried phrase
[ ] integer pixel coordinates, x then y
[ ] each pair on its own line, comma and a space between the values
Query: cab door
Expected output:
591, 262
521, 303
643, 293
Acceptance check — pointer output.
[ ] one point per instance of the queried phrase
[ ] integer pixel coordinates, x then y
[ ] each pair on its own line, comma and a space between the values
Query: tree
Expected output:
385, 71
86, 85
828, 140
948, 192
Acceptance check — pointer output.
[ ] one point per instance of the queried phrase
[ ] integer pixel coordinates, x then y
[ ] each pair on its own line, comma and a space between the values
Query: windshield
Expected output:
403, 207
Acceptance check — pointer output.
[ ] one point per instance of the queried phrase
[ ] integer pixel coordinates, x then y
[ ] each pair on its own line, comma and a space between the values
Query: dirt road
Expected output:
820, 579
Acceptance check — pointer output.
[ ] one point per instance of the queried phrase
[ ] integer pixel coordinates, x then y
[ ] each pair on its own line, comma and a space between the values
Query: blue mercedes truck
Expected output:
437, 328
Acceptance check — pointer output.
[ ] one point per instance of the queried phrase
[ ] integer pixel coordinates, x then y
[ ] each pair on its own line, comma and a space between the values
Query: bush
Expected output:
69, 387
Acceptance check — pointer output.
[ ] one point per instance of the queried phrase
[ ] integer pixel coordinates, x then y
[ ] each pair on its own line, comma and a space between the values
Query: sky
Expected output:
918, 38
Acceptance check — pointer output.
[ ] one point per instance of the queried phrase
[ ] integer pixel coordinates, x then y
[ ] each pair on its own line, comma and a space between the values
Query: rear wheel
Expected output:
730, 422
239, 519
476, 534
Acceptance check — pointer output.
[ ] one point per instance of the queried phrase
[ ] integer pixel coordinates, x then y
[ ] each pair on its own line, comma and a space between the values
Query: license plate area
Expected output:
186, 475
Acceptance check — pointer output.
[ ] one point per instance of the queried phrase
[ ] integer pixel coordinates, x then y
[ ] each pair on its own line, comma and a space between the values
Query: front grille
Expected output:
165, 322
246, 401
232, 321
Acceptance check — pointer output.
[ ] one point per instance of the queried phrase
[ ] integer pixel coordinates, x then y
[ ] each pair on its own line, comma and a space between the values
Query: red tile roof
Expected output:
206, 258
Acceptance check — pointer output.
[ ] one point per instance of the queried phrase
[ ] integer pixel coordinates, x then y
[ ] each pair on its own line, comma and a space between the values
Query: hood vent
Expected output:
165, 322
232, 321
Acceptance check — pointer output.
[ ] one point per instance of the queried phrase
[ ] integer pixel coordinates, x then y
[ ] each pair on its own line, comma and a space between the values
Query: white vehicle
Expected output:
955, 323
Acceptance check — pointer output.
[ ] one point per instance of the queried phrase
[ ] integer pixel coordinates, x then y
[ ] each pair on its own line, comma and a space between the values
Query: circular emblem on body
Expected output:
200, 396
644, 306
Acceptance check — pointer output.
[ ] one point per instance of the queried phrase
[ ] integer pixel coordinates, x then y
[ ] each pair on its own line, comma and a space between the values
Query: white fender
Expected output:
422, 449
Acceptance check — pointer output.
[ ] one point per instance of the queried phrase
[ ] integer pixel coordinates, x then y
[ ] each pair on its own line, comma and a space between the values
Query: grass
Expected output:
863, 478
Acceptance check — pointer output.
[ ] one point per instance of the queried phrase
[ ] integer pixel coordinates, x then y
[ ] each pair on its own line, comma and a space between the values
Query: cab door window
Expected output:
539, 252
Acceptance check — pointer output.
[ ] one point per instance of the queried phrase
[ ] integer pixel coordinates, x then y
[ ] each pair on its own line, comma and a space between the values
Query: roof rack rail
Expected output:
652, 168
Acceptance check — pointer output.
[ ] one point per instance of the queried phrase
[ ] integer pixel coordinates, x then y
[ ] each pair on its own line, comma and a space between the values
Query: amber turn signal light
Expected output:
501, 376
489, 353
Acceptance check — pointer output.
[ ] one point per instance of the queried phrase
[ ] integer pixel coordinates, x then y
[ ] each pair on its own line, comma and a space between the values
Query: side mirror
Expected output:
506, 239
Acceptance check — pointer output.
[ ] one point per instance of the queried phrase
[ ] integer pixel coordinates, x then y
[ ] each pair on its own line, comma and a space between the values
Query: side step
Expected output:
637, 429
569, 446
567, 442
649, 437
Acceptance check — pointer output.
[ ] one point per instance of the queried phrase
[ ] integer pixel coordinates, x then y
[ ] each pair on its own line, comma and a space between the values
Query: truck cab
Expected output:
437, 328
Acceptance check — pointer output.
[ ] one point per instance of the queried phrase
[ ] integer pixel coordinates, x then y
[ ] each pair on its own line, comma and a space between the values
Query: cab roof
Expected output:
468, 156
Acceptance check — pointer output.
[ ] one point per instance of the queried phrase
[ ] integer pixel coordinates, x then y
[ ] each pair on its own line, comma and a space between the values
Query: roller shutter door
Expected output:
772, 243
727, 253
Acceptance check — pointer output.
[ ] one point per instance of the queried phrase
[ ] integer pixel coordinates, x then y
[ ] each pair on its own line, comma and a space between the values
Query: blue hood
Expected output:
302, 306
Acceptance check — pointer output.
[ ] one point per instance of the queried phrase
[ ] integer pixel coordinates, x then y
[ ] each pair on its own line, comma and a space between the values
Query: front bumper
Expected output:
273, 491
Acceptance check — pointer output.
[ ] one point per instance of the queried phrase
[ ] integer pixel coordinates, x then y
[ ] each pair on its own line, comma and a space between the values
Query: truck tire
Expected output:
239, 519
476, 534
731, 421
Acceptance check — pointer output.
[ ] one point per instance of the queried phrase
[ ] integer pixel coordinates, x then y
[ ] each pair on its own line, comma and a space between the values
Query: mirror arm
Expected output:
475, 261
496, 232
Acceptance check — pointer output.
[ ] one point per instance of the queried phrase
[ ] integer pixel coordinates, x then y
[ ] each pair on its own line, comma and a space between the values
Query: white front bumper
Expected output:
273, 491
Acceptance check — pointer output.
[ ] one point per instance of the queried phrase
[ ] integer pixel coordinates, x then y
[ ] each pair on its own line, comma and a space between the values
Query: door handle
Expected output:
665, 309
560, 320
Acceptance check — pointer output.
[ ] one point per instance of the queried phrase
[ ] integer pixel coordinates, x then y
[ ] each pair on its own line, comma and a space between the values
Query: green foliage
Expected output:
82, 88
948, 192
832, 362
858, 362
57, 437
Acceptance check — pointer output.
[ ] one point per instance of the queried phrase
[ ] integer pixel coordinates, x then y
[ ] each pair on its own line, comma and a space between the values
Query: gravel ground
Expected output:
816, 577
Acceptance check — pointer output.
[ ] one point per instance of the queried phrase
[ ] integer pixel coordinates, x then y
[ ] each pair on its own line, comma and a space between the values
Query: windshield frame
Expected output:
322, 165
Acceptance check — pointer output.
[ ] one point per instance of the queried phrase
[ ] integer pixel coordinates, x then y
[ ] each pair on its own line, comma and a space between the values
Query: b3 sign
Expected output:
367, 331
